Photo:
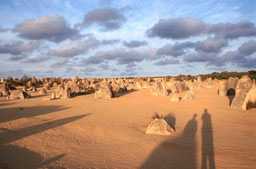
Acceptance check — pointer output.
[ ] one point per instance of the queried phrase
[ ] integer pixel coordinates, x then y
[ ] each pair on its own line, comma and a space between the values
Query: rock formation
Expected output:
159, 127
227, 85
103, 91
179, 87
118, 89
175, 98
3, 90
42, 91
73, 87
62, 92
188, 96
159, 89
250, 100
243, 87
32, 89
18, 94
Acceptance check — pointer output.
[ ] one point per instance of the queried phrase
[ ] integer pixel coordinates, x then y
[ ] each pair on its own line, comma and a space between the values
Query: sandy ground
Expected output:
84, 132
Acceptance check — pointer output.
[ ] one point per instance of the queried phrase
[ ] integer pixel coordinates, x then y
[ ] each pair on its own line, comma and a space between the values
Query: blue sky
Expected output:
108, 38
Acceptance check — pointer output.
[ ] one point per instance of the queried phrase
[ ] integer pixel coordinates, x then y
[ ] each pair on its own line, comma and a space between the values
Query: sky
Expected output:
124, 38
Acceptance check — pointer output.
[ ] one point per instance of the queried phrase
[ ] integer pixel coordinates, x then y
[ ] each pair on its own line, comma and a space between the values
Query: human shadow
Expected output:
12, 135
9, 114
207, 142
12, 156
178, 153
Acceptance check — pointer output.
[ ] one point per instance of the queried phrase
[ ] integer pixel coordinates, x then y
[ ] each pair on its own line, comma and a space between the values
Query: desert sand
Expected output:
84, 132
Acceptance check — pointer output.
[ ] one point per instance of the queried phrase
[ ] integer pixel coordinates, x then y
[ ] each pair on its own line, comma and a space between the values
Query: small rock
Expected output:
159, 127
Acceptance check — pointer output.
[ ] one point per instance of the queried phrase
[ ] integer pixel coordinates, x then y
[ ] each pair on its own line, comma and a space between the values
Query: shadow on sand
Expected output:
170, 119
20, 158
13, 135
126, 93
39, 96
181, 152
207, 142
5, 104
12, 156
8, 114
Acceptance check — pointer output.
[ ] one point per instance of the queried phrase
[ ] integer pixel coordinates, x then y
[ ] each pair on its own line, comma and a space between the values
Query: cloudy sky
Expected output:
108, 38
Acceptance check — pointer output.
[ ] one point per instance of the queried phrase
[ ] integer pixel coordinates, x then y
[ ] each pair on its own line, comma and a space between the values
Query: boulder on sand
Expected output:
18, 94
175, 98
159, 127
47, 86
188, 96
209, 83
62, 92
250, 100
75, 79
72, 86
178, 86
42, 91
243, 87
32, 89
227, 85
103, 91
139, 85
118, 89
3, 90
159, 89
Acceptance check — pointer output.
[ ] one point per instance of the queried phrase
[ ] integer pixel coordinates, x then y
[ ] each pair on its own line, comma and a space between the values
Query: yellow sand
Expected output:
84, 132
